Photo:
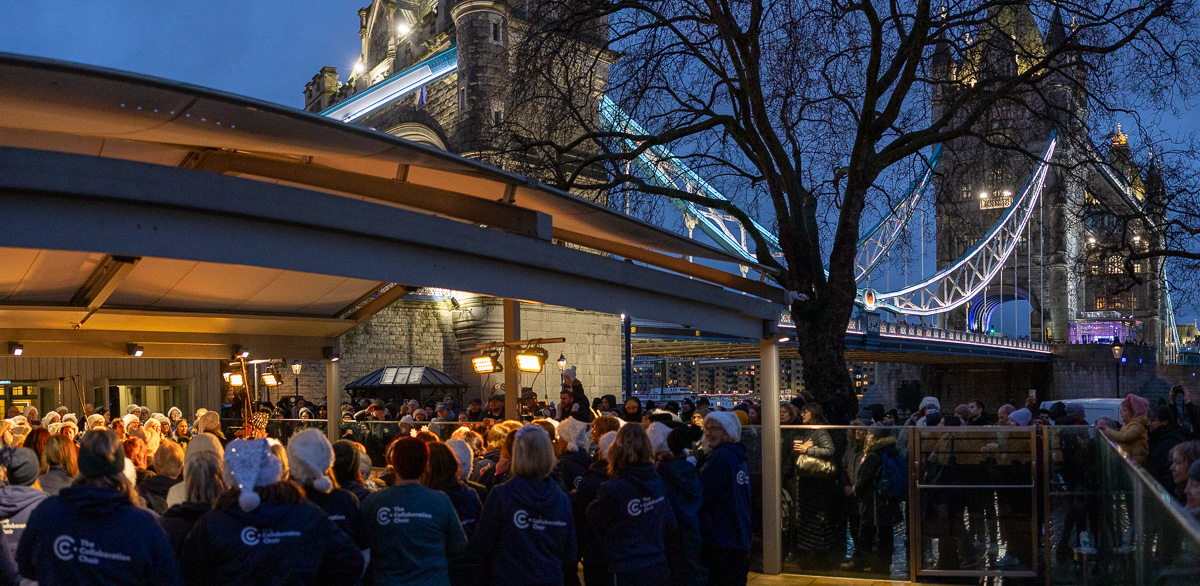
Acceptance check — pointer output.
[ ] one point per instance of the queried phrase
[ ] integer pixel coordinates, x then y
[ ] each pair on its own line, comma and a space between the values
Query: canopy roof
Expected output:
187, 221
406, 377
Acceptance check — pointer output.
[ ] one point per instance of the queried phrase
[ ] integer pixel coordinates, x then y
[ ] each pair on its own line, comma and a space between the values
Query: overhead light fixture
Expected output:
531, 359
135, 350
15, 348
330, 354
454, 304
236, 379
240, 352
487, 363
784, 339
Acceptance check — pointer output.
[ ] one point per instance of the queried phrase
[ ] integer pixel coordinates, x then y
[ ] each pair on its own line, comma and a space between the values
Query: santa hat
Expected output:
309, 457
658, 433
574, 433
251, 464
729, 421
606, 441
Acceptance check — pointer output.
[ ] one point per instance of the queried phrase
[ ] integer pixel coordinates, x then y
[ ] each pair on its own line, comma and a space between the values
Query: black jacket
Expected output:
682, 483
342, 507
725, 516
154, 490
571, 466
16, 504
630, 519
1158, 462
274, 544
178, 520
581, 498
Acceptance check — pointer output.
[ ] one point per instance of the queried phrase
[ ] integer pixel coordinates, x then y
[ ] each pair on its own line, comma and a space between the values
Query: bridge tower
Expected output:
979, 175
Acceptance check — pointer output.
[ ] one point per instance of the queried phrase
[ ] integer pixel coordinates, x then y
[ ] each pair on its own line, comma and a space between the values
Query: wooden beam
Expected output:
672, 263
475, 210
114, 344
381, 301
103, 281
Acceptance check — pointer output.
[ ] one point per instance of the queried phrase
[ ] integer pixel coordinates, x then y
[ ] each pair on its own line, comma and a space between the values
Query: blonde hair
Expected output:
533, 456
203, 481
496, 435
168, 459
60, 451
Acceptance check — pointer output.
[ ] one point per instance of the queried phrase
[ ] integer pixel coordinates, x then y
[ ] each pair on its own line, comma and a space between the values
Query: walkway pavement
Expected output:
794, 580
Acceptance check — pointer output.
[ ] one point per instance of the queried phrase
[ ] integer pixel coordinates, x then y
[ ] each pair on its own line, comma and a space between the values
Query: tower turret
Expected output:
481, 32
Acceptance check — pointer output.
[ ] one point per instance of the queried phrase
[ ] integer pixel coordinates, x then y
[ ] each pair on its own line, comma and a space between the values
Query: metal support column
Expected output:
512, 376
627, 334
772, 477
333, 401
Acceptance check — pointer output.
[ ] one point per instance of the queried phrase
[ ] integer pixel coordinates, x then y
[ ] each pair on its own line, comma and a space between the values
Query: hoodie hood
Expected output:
94, 500
641, 476
189, 510
681, 477
14, 499
538, 493
738, 449
580, 458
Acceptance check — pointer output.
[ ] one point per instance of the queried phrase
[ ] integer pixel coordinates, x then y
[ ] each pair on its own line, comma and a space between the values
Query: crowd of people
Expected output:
581, 496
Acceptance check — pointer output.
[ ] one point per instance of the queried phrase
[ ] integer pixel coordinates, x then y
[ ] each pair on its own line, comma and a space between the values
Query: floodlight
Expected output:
15, 348
236, 379
240, 352
269, 378
487, 363
135, 350
330, 354
531, 359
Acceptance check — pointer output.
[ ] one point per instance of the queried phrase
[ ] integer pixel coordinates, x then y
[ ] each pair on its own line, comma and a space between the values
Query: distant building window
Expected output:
497, 117
462, 100
497, 32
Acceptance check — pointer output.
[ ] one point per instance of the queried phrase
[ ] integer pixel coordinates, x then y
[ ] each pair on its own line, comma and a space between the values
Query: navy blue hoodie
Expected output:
94, 535
571, 466
16, 504
274, 544
526, 533
583, 496
630, 518
342, 507
725, 516
686, 496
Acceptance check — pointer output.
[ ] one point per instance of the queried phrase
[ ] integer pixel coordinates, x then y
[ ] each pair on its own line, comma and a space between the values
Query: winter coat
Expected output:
359, 490
413, 532
571, 466
467, 505
582, 497
866, 481
16, 504
274, 544
526, 534
1158, 460
484, 470
686, 495
1132, 438
178, 521
154, 490
725, 516
630, 518
342, 507
54, 480
93, 535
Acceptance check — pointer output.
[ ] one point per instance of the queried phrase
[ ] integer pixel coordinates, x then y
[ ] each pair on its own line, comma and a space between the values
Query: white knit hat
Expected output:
930, 402
462, 453
728, 420
309, 457
574, 433
71, 417
53, 428
658, 433
51, 417
129, 418
570, 371
130, 408
606, 441
92, 419
251, 464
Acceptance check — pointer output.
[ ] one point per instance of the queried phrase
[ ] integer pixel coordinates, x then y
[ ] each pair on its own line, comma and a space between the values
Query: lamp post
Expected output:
296, 366
562, 363
1117, 350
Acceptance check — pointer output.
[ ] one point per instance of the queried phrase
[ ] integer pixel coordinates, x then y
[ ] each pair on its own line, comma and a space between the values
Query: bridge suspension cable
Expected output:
963, 279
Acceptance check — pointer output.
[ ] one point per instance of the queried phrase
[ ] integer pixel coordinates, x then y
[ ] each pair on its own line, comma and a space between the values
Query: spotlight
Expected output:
236, 379
15, 348
240, 352
487, 363
531, 359
269, 377
135, 350
330, 354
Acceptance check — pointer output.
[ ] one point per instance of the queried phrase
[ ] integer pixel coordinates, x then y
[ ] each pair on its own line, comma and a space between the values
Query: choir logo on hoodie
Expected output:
253, 536
86, 551
638, 506
522, 520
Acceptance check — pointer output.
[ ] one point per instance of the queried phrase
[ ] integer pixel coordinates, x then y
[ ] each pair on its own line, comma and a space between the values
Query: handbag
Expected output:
813, 467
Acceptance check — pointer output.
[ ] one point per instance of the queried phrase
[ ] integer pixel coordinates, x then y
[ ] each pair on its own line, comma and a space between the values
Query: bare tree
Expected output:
805, 112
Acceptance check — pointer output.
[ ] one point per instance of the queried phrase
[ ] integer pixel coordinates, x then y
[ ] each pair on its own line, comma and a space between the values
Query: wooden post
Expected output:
512, 376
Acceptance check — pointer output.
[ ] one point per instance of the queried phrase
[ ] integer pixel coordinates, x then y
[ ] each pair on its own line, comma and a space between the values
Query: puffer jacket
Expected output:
1132, 438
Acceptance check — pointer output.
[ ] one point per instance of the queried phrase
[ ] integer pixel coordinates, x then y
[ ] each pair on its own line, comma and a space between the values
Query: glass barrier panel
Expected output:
838, 518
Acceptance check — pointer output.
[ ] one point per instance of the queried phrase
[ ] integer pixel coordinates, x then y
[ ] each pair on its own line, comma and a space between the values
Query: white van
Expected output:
1094, 409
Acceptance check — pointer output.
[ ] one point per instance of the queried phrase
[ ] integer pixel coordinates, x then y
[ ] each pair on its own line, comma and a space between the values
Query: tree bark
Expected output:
821, 335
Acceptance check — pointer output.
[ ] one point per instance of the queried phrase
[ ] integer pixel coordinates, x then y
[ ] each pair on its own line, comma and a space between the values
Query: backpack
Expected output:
893, 477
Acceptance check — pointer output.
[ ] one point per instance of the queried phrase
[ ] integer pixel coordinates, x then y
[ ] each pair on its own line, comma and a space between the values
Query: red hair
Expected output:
408, 457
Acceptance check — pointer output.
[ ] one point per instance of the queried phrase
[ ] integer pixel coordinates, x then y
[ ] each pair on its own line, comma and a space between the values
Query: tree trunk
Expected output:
822, 345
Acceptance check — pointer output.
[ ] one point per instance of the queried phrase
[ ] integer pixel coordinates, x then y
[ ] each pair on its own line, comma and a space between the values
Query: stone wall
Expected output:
1089, 370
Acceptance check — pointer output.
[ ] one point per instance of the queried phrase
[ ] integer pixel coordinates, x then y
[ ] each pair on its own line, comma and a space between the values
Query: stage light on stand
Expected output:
487, 363
531, 359
236, 379
269, 377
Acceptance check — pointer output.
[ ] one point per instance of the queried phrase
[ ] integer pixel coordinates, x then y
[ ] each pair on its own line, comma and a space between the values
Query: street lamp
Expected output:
562, 362
1117, 350
296, 366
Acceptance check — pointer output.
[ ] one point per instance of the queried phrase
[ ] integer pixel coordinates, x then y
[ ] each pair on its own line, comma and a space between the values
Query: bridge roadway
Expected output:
868, 338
